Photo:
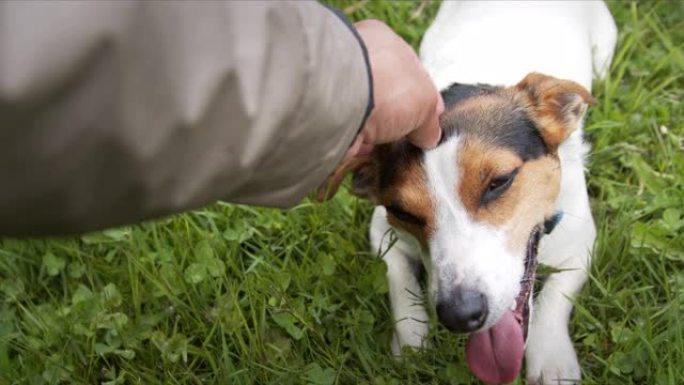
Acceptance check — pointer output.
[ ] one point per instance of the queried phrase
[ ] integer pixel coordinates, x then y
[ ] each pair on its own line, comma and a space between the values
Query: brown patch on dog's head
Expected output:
509, 172
497, 140
537, 186
391, 176
402, 189
500, 189
479, 164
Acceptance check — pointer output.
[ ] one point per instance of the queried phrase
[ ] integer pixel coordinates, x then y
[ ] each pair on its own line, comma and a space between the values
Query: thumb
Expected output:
428, 134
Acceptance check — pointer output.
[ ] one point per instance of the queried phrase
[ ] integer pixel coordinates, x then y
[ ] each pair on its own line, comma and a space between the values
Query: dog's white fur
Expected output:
499, 43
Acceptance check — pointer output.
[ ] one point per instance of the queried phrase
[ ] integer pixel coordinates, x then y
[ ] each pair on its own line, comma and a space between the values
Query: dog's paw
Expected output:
551, 359
409, 333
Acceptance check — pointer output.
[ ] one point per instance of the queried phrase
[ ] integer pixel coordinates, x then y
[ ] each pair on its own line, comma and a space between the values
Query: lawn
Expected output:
238, 295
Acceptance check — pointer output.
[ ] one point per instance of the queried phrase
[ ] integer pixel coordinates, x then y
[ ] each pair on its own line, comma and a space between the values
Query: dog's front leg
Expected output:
405, 293
408, 311
551, 357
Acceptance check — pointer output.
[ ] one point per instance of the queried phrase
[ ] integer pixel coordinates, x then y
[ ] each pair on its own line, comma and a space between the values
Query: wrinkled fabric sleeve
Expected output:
115, 112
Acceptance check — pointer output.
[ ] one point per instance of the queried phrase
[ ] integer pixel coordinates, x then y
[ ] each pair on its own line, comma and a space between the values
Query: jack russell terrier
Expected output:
480, 210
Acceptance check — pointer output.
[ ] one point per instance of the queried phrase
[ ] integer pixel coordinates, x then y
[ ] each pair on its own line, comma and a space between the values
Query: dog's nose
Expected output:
465, 310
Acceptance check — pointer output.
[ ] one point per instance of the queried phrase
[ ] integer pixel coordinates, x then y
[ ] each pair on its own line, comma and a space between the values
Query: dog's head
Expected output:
476, 202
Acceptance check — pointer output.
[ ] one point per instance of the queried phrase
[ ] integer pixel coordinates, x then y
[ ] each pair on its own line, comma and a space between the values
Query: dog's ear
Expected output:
363, 178
556, 106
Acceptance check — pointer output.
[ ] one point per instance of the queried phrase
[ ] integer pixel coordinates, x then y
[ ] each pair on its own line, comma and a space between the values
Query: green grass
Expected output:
237, 295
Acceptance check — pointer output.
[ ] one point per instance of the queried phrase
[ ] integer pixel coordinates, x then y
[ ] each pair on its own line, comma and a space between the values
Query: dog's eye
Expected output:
403, 215
497, 186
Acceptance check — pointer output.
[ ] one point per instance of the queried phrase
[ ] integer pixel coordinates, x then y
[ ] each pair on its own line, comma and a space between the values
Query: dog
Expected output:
504, 189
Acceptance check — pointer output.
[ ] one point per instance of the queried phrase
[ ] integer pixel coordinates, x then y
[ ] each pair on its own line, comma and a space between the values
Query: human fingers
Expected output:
428, 134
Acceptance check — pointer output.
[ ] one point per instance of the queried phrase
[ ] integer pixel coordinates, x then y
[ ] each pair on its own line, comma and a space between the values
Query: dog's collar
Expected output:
552, 222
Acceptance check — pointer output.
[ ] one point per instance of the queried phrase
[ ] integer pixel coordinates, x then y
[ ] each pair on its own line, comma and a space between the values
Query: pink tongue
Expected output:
495, 355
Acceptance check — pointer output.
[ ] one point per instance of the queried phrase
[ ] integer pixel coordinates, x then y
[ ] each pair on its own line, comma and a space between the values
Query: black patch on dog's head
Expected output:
392, 158
458, 92
506, 125
521, 136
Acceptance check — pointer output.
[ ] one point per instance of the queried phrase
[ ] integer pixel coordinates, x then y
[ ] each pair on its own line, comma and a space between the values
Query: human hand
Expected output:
407, 104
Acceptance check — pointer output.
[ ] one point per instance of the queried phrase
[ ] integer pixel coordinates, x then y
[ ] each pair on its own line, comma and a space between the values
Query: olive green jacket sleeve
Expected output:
114, 112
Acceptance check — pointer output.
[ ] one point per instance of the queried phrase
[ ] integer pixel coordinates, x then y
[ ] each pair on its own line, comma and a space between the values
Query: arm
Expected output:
116, 112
